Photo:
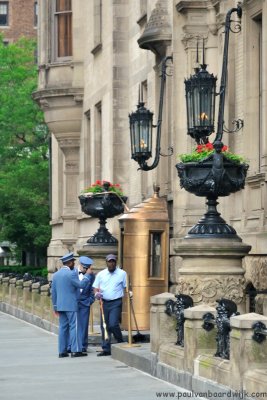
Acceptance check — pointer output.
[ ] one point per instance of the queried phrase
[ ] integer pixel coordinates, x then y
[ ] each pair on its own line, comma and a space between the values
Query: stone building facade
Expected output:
90, 70
18, 18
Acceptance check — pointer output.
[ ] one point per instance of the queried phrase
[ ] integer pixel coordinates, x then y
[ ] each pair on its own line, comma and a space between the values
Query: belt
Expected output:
109, 301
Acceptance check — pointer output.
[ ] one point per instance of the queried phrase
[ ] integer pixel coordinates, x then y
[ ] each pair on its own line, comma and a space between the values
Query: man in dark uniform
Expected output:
65, 292
86, 298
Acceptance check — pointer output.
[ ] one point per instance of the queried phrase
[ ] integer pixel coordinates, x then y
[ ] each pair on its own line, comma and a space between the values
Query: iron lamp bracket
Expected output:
237, 123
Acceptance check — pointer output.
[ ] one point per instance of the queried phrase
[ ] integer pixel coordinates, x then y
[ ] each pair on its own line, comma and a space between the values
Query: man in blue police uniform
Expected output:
86, 298
109, 288
65, 293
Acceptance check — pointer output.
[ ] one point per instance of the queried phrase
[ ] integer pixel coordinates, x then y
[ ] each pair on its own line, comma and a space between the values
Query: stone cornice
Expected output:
184, 6
256, 180
58, 92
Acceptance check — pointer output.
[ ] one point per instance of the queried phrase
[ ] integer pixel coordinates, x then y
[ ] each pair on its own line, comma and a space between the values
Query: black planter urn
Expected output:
102, 206
212, 177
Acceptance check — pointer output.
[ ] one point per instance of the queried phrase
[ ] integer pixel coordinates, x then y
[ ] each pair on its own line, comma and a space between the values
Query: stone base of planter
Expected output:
212, 269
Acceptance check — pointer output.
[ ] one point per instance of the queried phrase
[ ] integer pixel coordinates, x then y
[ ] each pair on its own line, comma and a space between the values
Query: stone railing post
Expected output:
196, 340
162, 326
246, 354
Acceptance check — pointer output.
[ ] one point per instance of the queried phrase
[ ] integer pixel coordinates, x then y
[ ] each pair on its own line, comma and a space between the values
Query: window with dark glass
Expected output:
35, 14
155, 255
3, 13
63, 16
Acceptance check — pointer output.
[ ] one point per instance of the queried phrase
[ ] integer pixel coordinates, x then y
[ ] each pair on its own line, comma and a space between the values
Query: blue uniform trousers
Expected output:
68, 332
112, 313
83, 321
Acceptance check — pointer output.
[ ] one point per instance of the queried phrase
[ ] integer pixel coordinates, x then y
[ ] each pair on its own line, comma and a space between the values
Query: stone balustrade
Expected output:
246, 370
30, 300
27, 300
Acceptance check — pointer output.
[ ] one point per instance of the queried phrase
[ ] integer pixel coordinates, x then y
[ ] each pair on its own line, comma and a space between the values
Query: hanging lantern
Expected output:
141, 125
141, 133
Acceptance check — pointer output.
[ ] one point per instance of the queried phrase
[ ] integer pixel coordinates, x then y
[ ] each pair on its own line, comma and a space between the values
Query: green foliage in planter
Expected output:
203, 151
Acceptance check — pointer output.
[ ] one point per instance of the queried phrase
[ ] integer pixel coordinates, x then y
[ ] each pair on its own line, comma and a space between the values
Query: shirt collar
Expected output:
112, 273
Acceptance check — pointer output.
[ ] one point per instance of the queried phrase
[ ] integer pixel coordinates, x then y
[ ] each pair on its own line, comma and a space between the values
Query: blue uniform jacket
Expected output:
65, 289
87, 297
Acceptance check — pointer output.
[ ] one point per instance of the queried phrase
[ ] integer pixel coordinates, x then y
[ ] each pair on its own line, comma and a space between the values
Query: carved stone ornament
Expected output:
72, 165
262, 274
157, 34
256, 272
208, 290
44, 104
68, 142
190, 39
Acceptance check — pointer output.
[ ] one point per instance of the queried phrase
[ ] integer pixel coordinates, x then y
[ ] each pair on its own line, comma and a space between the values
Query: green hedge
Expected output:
18, 269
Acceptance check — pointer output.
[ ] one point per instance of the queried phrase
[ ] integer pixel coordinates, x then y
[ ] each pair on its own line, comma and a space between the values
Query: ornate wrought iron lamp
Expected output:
141, 125
215, 175
200, 91
141, 128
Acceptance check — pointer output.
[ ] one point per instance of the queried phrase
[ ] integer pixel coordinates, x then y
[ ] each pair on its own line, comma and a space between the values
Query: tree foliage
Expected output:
24, 182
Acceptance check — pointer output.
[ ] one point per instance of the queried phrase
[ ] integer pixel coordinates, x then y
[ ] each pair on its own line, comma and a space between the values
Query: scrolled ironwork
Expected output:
170, 149
209, 322
27, 277
142, 158
222, 91
225, 309
238, 124
43, 281
260, 332
176, 308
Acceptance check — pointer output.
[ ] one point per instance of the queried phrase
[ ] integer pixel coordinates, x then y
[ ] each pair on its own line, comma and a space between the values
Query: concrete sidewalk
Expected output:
30, 369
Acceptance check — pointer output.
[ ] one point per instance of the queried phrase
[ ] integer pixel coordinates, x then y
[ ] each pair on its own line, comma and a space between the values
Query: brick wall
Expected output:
20, 20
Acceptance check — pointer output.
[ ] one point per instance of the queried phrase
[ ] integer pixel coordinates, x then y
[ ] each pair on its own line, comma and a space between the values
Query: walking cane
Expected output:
130, 341
103, 320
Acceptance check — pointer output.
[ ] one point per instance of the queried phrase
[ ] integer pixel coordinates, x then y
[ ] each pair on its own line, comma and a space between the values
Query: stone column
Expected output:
63, 114
196, 340
162, 326
246, 355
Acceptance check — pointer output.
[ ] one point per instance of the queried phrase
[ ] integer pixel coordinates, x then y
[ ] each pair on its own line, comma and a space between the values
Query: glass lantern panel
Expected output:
189, 110
144, 136
205, 106
155, 267
196, 106
132, 133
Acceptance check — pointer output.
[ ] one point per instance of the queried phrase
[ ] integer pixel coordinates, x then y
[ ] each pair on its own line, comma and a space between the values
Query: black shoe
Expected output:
62, 355
78, 354
104, 353
84, 351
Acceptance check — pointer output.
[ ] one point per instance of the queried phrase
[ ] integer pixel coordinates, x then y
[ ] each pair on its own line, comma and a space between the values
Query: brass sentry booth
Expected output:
145, 254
